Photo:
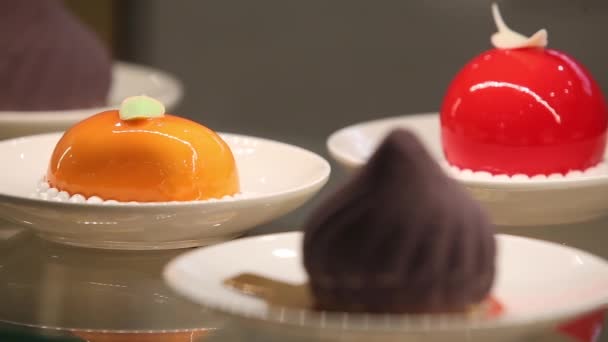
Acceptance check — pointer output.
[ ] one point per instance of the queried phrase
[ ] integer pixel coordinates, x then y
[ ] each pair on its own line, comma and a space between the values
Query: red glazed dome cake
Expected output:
522, 108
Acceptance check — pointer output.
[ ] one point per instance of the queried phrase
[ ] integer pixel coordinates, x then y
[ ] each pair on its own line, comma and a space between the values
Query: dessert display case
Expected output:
483, 220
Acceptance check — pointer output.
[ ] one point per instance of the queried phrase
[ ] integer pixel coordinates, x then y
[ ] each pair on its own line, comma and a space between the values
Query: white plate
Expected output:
275, 179
511, 202
127, 80
540, 284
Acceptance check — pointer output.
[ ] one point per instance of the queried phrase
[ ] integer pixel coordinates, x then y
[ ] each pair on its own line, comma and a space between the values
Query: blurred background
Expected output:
290, 70
297, 70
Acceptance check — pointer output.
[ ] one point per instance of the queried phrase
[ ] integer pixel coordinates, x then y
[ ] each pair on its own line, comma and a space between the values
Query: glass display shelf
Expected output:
51, 292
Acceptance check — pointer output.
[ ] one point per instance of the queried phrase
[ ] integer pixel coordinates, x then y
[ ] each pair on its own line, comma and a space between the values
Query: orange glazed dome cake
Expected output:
140, 154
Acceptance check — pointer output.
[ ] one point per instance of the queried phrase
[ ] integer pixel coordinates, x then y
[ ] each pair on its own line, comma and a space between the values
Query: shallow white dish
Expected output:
275, 179
128, 80
540, 284
510, 201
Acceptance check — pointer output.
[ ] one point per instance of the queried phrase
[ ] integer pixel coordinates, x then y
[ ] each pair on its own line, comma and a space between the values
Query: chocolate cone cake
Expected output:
48, 59
400, 237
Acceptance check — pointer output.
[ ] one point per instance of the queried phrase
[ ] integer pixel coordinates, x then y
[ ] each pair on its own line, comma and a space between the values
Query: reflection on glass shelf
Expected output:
95, 294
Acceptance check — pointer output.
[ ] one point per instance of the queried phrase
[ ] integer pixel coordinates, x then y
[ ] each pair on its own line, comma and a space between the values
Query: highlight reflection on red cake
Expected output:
523, 109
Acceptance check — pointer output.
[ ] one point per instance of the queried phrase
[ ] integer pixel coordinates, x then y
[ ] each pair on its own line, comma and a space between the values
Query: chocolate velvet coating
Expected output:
399, 237
48, 59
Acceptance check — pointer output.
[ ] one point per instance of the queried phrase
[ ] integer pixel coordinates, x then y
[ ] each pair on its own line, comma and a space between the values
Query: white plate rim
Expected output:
354, 162
152, 206
335, 321
71, 115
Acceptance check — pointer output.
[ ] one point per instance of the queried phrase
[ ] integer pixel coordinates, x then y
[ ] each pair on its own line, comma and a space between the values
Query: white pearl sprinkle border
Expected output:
466, 174
45, 192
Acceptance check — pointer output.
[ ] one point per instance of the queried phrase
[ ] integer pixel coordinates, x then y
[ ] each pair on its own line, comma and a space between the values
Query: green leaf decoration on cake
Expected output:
141, 107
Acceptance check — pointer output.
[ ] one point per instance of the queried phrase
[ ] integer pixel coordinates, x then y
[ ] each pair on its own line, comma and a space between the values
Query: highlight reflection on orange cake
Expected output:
141, 154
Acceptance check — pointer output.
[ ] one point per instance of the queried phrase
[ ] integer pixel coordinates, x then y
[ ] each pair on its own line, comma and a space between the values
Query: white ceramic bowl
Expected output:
128, 80
540, 284
510, 201
275, 179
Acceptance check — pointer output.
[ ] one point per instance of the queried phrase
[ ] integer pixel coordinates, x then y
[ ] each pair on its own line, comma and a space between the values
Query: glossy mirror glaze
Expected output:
145, 160
524, 111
